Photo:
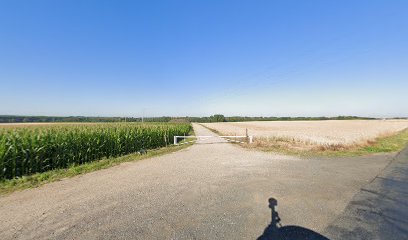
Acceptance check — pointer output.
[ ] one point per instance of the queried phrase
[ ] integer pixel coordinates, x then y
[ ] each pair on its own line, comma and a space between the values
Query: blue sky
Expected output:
197, 58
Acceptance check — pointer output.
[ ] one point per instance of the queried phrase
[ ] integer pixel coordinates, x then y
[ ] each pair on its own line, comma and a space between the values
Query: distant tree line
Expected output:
213, 118
243, 119
27, 119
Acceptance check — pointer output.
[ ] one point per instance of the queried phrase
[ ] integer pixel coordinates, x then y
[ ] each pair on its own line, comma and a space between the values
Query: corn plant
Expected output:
33, 149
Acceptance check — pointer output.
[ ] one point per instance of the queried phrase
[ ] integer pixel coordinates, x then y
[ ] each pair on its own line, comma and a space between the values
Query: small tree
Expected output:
217, 118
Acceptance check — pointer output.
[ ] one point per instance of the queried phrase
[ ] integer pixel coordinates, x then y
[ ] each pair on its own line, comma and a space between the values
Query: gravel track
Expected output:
211, 190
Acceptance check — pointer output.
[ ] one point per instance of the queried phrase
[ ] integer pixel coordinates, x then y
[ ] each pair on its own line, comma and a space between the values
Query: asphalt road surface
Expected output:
380, 209
211, 190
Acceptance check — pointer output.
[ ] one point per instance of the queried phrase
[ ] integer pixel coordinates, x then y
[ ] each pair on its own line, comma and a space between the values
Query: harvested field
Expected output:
333, 132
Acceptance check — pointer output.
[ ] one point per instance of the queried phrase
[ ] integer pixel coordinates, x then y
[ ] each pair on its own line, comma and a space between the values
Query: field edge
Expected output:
383, 144
36, 180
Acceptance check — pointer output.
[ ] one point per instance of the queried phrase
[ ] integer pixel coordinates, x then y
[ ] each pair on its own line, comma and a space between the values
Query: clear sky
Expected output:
196, 58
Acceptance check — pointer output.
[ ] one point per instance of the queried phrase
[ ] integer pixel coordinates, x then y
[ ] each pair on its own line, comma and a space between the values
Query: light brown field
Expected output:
344, 132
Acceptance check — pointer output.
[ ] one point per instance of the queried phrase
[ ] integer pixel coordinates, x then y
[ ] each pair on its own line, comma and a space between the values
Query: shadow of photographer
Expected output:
275, 230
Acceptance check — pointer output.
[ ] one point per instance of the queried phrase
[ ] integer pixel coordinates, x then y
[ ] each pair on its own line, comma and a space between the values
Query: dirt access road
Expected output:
212, 190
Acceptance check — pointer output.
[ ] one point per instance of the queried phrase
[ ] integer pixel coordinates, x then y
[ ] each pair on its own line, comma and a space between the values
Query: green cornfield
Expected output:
32, 149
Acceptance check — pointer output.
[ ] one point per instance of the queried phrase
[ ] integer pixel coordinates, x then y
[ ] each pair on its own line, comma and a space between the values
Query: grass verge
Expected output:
385, 144
38, 179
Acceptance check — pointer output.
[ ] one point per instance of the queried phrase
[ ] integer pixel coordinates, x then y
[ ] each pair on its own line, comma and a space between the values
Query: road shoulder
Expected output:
380, 209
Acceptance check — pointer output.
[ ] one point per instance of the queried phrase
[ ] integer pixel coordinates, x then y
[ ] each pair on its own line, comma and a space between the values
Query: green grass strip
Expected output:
388, 144
38, 179
393, 143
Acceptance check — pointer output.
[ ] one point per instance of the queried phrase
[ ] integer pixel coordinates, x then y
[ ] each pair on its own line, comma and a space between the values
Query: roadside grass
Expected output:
290, 146
384, 144
38, 179
392, 143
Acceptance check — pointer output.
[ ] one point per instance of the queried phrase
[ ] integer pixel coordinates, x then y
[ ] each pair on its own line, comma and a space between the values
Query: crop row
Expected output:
28, 150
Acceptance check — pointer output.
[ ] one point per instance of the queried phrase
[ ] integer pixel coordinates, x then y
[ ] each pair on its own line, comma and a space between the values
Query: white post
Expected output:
175, 140
250, 139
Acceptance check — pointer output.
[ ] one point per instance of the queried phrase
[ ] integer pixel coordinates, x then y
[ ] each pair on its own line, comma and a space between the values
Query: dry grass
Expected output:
347, 137
299, 145
385, 143
343, 132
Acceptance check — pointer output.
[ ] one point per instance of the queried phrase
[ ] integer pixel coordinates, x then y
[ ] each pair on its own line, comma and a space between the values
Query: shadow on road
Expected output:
275, 230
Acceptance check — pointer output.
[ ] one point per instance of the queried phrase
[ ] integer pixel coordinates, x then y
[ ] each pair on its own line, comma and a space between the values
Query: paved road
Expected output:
380, 209
207, 191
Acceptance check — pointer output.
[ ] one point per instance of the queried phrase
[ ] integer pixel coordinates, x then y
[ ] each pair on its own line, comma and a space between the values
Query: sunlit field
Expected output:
319, 132
31, 148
